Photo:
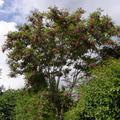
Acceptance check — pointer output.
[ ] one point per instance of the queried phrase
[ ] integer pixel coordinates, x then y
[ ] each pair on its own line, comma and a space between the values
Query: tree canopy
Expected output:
45, 48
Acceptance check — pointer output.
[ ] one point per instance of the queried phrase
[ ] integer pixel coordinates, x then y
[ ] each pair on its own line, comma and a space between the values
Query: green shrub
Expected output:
7, 105
33, 107
100, 97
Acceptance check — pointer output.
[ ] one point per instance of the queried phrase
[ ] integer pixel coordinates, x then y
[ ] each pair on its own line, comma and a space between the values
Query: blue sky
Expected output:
14, 12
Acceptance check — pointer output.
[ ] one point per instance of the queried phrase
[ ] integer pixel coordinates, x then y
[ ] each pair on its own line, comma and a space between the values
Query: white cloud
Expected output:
1, 3
5, 80
110, 7
5, 27
23, 7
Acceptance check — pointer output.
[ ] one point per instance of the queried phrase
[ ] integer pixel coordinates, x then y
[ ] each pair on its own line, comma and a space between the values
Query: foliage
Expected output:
31, 106
58, 46
99, 98
7, 105
45, 48
62, 103
22, 105
108, 52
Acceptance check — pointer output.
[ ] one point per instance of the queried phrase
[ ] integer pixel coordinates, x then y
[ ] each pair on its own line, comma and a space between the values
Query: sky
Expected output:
14, 12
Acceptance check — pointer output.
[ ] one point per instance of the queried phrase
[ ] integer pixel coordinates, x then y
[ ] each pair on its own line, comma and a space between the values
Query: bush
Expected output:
31, 106
7, 105
99, 98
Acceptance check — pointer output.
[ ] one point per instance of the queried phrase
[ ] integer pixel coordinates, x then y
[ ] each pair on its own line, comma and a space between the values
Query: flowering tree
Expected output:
58, 46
